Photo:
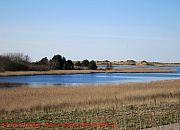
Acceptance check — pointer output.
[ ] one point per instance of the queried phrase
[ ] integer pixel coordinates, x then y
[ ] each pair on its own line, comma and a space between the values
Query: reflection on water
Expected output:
81, 79
12, 85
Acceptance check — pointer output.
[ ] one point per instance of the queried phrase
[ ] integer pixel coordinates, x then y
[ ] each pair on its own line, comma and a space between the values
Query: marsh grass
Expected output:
89, 96
58, 72
132, 106
129, 117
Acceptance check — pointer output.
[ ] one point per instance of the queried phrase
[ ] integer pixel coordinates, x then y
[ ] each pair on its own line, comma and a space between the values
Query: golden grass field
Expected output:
56, 72
89, 96
132, 106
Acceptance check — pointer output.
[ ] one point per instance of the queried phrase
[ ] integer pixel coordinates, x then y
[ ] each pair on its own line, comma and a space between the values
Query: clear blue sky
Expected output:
92, 29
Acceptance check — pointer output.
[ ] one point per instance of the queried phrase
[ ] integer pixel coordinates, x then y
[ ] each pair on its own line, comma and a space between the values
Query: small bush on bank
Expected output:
16, 67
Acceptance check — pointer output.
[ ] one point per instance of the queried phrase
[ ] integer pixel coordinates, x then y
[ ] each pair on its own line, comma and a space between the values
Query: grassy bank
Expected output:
132, 117
57, 72
128, 106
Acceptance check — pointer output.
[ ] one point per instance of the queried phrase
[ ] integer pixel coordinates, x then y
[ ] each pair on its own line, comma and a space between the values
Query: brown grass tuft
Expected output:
88, 96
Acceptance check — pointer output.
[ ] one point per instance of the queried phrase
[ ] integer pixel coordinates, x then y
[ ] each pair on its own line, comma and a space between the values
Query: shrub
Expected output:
92, 65
68, 65
13, 66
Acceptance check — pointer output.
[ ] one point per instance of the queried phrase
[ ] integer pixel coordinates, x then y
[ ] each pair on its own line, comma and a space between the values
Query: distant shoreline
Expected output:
136, 63
62, 72
158, 65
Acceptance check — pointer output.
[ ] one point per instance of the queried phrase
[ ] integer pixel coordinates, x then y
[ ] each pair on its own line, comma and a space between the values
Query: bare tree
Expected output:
17, 57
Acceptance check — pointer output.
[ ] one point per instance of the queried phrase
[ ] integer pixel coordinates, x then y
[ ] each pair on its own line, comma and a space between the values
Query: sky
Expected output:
92, 29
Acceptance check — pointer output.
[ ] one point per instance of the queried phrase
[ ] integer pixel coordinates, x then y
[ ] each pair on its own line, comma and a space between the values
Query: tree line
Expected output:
21, 62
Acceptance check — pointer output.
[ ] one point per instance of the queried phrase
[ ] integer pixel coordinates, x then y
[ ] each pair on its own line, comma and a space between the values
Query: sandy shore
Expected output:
59, 72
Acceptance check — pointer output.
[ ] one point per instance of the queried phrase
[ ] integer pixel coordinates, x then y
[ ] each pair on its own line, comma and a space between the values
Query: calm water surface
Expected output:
80, 79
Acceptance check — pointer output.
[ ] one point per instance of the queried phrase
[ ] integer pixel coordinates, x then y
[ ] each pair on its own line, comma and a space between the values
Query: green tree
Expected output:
78, 64
85, 63
68, 65
43, 61
92, 65
57, 62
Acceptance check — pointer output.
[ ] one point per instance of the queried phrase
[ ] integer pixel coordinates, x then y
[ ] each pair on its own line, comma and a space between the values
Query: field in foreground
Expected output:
125, 106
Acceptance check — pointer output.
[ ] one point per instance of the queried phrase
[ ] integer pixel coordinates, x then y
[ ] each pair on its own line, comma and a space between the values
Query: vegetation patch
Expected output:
21, 62
129, 117
127, 106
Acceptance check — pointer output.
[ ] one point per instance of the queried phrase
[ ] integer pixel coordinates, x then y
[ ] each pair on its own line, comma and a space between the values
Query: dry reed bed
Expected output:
129, 106
58, 72
89, 96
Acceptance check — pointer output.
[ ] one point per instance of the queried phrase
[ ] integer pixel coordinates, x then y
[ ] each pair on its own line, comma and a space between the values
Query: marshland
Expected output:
89, 96
130, 106
90, 65
125, 97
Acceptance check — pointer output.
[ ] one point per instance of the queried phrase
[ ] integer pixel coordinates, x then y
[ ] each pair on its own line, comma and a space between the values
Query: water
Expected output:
117, 66
100, 78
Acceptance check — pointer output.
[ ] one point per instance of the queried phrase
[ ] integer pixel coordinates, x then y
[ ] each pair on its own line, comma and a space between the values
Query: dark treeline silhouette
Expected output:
14, 62
21, 62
